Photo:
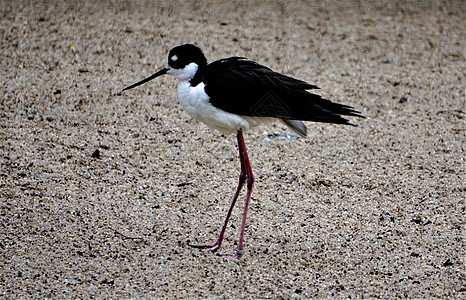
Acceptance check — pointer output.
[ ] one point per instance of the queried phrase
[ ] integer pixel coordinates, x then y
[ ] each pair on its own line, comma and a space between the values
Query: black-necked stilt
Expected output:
235, 94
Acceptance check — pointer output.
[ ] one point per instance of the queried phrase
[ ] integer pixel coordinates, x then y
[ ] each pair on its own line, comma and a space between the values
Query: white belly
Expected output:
196, 103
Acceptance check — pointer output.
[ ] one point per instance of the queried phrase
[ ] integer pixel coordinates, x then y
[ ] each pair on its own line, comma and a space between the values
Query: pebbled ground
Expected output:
101, 194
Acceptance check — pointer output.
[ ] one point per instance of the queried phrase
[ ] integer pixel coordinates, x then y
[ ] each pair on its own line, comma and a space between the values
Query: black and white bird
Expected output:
235, 94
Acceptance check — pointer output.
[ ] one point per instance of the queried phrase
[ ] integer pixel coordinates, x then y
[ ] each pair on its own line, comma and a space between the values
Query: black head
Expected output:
178, 60
183, 55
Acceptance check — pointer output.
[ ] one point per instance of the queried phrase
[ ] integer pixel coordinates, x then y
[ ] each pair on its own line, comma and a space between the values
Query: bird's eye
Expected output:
174, 58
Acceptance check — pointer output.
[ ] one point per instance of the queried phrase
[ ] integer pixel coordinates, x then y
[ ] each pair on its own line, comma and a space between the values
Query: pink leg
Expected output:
250, 183
245, 175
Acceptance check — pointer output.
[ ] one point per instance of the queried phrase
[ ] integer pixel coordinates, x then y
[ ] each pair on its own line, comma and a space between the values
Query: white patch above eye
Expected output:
174, 58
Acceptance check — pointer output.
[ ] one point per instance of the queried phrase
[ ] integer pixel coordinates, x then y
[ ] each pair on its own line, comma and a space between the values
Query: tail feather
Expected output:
297, 126
312, 107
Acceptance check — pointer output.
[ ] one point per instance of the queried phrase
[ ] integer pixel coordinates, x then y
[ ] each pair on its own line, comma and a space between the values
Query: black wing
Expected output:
244, 87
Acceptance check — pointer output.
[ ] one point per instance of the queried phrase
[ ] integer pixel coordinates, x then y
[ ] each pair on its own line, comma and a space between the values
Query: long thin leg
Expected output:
242, 179
250, 183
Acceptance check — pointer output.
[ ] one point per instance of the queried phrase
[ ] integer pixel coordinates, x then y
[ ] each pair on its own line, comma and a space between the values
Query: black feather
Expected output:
244, 87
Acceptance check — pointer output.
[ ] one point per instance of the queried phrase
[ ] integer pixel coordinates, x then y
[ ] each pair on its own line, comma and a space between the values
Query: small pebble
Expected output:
96, 154
448, 263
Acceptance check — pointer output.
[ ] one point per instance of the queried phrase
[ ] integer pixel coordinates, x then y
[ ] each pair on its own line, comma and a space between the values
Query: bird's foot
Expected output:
211, 247
237, 255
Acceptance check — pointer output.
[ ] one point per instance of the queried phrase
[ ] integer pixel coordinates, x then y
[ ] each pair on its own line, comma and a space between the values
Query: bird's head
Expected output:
183, 63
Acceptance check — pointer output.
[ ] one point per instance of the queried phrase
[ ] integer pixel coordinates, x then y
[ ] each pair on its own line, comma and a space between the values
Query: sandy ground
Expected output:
101, 194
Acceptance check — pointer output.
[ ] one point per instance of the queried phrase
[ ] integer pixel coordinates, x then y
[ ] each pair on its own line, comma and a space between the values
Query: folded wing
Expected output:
244, 87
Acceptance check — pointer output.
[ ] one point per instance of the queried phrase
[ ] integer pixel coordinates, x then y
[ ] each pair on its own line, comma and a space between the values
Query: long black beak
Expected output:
159, 73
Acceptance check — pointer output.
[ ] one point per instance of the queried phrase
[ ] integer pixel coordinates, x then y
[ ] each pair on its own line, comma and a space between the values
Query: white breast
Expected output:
196, 103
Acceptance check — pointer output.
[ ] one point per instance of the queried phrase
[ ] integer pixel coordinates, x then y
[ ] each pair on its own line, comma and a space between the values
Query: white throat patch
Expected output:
185, 74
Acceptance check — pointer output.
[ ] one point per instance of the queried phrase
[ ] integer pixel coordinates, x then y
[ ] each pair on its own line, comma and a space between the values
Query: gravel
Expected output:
102, 193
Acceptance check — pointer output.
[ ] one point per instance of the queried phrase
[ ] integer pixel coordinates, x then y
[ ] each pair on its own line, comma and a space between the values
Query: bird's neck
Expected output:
197, 78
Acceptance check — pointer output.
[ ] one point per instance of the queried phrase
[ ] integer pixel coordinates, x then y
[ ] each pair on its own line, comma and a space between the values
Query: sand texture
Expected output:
100, 194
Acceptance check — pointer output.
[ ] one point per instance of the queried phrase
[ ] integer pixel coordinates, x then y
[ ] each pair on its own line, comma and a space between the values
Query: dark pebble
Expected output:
96, 154
448, 263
